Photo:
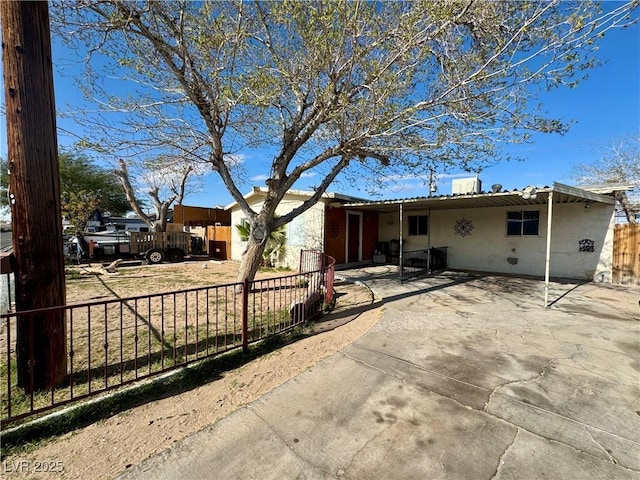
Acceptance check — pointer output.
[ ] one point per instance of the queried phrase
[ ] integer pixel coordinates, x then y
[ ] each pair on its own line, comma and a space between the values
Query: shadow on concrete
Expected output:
421, 291
551, 303
334, 320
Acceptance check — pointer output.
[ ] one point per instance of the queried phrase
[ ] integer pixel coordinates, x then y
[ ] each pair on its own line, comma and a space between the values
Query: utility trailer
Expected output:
156, 247
153, 247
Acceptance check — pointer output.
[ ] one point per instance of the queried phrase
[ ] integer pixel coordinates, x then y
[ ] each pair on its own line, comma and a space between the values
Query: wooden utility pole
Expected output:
34, 192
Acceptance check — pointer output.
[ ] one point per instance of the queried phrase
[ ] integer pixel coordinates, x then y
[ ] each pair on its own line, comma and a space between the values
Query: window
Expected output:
525, 222
418, 224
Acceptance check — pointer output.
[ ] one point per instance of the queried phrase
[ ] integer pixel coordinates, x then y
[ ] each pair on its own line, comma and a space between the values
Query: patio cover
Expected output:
529, 196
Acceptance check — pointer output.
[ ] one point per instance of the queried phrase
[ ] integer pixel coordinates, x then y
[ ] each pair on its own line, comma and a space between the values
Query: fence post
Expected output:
245, 316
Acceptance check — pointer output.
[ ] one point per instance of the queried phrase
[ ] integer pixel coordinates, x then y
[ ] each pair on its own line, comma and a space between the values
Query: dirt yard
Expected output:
110, 446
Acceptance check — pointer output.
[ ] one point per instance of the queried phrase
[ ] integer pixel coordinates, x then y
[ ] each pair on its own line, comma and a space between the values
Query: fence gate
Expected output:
626, 254
219, 242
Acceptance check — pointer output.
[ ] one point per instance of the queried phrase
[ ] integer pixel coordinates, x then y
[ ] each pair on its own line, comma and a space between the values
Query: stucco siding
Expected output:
476, 239
305, 232
487, 247
574, 223
388, 226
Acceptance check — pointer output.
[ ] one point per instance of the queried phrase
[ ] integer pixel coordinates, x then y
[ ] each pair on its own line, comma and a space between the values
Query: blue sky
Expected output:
605, 109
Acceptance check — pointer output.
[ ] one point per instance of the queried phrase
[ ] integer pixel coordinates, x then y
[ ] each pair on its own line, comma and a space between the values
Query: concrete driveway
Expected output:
464, 377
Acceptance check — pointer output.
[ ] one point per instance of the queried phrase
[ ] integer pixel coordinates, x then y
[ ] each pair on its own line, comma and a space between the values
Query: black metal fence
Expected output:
420, 262
117, 342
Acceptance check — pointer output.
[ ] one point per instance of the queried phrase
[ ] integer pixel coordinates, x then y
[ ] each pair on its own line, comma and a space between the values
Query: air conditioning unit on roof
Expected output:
462, 186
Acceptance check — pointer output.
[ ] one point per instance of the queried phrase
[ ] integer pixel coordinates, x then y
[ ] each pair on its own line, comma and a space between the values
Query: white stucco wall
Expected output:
305, 232
488, 248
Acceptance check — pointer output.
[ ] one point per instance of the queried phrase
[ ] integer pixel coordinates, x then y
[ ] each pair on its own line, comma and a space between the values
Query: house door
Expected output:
354, 237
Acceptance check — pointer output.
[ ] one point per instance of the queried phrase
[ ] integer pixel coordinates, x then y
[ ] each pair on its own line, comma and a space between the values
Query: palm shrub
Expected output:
276, 242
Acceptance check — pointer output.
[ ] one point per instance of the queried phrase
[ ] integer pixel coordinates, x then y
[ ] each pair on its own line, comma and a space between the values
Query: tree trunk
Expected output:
123, 177
251, 260
34, 185
162, 215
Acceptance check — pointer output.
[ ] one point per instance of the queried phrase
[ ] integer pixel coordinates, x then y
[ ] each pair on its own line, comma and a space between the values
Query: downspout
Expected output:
548, 252
401, 247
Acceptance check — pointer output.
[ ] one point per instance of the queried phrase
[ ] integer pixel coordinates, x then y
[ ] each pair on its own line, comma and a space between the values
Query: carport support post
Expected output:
400, 261
548, 253
429, 236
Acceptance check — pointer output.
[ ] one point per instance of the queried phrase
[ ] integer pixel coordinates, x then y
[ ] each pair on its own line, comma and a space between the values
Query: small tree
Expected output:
77, 207
84, 187
78, 172
276, 245
619, 164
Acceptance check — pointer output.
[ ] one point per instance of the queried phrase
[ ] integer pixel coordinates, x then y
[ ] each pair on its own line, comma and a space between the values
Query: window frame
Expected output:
418, 231
524, 223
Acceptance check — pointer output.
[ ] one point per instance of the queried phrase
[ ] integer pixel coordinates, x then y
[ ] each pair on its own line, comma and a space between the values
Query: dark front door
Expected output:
353, 242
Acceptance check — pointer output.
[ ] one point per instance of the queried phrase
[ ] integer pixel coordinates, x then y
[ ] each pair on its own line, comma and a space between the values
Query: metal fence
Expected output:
113, 343
419, 262
6, 279
6, 292
324, 266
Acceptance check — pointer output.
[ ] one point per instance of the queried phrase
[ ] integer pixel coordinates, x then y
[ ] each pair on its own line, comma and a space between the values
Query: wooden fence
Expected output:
219, 242
626, 254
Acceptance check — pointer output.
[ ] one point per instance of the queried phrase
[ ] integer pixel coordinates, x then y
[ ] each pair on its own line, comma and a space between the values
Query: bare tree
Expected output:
334, 88
619, 164
164, 180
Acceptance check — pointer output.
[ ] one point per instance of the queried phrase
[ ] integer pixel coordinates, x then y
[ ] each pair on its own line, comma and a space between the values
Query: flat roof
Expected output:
525, 197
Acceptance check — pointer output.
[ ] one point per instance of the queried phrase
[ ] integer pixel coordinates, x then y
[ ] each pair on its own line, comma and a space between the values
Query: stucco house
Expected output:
559, 231
305, 232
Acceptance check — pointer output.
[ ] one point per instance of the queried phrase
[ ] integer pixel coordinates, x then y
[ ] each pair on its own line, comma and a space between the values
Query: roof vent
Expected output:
529, 192
496, 187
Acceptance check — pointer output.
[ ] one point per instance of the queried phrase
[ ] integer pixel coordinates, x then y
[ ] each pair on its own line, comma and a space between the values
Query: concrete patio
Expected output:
466, 376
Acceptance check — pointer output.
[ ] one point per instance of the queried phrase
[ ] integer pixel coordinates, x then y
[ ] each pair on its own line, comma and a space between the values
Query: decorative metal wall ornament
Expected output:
463, 227
586, 245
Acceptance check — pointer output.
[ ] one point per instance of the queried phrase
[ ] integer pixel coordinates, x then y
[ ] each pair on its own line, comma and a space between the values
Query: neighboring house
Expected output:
558, 231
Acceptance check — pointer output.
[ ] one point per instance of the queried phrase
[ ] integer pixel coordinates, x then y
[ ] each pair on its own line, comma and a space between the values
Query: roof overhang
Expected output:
516, 198
608, 188
326, 196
